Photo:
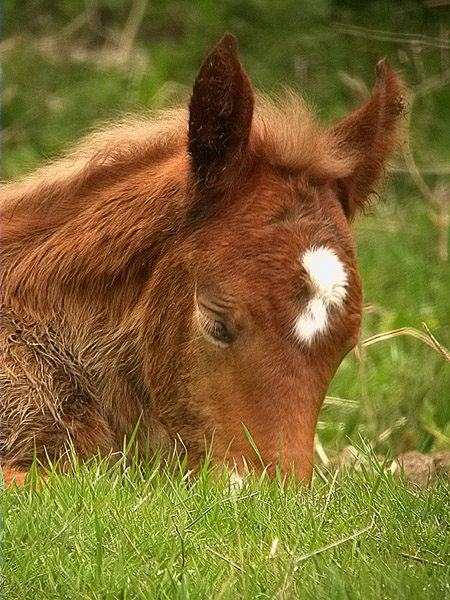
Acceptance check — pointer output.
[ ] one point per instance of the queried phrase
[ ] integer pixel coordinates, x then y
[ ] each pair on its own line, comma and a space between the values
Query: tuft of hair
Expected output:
287, 131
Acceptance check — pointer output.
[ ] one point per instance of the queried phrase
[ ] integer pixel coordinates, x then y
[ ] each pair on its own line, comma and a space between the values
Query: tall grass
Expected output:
144, 532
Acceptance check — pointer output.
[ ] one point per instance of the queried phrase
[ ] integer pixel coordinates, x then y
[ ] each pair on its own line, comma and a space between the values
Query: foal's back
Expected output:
73, 235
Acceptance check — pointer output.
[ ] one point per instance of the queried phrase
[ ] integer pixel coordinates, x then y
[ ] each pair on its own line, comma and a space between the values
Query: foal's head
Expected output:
277, 295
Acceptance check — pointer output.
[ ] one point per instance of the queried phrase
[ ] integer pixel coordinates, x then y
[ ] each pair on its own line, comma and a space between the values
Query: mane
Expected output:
284, 130
115, 145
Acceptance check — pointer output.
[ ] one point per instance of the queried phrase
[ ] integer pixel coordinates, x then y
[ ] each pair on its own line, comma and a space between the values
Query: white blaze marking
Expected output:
328, 280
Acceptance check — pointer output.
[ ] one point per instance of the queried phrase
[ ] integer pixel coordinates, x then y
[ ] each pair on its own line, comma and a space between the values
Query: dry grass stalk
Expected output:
428, 339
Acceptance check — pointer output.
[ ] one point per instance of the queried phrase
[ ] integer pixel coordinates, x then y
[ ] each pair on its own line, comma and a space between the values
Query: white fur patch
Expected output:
328, 281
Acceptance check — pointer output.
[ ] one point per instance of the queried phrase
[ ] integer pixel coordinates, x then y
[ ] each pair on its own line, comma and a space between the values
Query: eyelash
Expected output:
216, 330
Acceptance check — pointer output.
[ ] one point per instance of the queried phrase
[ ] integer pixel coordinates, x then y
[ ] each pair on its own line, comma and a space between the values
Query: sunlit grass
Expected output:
144, 532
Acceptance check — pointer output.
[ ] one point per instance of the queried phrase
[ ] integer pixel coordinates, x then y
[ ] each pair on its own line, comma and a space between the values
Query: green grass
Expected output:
143, 533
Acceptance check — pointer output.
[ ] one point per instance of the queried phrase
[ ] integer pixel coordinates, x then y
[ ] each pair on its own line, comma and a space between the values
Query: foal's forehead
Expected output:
291, 265
279, 195
303, 258
271, 225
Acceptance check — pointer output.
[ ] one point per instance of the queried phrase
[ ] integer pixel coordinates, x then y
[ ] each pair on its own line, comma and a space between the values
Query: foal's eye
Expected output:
219, 332
215, 330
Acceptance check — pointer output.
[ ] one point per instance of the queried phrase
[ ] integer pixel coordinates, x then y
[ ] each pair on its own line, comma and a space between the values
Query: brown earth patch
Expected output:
418, 469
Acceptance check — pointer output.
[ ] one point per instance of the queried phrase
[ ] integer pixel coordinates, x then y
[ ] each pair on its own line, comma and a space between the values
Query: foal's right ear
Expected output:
369, 136
220, 116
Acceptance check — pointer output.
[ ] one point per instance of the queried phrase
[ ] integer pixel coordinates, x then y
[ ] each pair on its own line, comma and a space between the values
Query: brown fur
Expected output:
108, 252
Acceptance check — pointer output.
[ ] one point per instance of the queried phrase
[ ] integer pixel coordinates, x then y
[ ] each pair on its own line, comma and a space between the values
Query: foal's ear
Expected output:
220, 116
369, 136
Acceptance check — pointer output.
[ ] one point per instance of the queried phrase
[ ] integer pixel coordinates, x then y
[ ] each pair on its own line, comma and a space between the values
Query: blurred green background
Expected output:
71, 63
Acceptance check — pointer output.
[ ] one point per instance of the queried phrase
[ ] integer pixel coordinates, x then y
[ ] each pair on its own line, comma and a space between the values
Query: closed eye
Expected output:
214, 329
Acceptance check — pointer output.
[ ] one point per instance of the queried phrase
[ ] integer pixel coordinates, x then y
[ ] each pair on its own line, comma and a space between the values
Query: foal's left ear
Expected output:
220, 116
369, 137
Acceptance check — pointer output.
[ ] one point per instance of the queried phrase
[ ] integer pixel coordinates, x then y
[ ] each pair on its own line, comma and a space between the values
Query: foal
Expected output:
193, 273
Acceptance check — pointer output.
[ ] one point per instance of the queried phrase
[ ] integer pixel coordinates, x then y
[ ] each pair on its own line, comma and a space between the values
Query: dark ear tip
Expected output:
227, 44
224, 50
229, 41
382, 68
389, 81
